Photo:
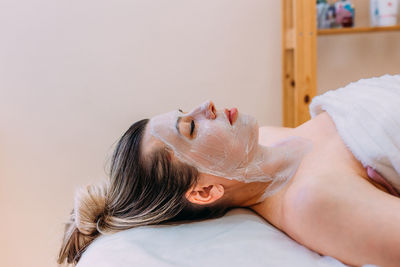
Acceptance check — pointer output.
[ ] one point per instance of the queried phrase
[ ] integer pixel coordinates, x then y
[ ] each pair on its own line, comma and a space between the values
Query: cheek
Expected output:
223, 145
213, 144
219, 141
211, 141
213, 131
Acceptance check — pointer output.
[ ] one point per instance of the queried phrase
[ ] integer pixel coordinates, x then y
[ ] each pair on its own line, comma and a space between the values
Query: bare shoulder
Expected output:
346, 217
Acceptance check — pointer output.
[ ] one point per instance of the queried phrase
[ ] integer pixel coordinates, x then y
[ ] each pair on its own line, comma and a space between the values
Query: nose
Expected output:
207, 109
211, 112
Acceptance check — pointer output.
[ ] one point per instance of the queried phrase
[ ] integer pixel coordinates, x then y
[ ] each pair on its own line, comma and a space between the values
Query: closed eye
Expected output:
192, 126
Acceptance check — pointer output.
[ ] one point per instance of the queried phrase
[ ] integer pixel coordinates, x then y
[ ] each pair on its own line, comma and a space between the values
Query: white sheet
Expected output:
240, 238
367, 116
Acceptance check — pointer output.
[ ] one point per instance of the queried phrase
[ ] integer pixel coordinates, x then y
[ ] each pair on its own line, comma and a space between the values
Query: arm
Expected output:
347, 218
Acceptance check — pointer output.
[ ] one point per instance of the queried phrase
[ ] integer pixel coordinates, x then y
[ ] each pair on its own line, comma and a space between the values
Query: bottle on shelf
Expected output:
383, 12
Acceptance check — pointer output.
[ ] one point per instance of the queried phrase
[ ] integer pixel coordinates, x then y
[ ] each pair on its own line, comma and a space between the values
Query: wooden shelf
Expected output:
299, 57
358, 30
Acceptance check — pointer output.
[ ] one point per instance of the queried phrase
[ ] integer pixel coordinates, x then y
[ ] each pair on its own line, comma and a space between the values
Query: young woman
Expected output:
320, 183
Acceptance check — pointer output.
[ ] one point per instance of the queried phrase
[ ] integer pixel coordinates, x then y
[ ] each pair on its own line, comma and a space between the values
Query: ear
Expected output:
204, 195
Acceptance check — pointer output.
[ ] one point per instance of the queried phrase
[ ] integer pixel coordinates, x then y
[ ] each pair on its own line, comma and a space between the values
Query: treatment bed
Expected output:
239, 238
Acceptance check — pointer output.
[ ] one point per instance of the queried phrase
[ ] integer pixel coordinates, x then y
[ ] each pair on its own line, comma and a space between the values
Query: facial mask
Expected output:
230, 151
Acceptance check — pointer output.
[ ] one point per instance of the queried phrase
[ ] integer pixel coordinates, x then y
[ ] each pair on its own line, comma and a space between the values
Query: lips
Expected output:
232, 115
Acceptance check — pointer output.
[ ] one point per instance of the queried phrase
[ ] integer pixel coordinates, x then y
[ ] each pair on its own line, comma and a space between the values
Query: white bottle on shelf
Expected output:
383, 12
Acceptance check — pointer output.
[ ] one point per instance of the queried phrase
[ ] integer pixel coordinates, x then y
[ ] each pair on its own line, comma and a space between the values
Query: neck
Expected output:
269, 204
277, 163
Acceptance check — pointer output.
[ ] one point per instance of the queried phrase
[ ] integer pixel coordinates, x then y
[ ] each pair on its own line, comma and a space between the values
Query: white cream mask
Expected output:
229, 151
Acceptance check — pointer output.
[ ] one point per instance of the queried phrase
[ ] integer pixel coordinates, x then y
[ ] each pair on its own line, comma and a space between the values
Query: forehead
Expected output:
164, 122
149, 142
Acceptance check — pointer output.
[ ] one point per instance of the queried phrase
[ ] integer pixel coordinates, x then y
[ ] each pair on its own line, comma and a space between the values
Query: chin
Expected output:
251, 124
251, 131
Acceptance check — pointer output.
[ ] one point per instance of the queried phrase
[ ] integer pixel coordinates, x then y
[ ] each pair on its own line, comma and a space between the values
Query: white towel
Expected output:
367, 117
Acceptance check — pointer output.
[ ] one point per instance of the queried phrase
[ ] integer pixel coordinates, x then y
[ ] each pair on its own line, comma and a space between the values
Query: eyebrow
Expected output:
177, 124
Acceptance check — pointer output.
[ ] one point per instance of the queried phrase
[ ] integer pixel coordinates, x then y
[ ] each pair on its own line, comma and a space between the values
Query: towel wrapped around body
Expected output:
367, 117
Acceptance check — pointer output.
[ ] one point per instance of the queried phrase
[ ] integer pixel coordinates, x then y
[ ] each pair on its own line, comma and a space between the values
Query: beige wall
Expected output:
75, 74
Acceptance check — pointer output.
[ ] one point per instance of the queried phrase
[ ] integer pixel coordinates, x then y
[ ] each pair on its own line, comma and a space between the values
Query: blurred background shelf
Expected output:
299, 55
357, 30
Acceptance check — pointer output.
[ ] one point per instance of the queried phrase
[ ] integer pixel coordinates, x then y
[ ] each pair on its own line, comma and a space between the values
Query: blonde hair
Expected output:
137, 193
83, 226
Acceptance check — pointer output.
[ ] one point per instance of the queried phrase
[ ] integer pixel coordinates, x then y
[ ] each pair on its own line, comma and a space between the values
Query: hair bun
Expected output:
89, 206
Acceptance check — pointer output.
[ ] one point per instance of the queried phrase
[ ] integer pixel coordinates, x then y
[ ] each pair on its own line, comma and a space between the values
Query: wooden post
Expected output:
299, 45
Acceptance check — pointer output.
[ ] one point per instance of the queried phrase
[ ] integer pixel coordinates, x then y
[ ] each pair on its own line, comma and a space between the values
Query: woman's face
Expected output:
215, 141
